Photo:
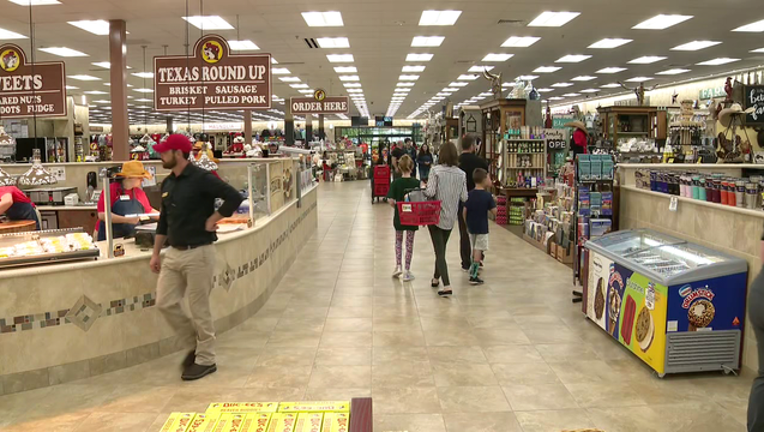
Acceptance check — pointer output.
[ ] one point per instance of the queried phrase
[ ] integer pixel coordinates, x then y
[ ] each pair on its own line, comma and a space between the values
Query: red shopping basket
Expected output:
419, 213
381, 171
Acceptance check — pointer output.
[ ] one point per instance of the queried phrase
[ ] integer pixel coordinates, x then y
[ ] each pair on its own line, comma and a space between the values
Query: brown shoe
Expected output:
195, 371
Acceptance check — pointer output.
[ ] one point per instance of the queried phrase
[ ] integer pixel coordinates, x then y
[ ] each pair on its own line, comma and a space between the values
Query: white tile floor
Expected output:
511, 355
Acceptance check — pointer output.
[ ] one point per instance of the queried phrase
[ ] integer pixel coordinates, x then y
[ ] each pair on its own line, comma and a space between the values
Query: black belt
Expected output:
189, 247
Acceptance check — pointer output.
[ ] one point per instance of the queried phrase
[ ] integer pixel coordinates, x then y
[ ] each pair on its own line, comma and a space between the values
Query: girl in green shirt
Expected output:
397, 193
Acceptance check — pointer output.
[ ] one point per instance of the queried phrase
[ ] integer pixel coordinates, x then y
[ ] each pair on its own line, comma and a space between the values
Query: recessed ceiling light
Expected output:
323, 19
507, 84
661, 22
639, 79
647, 59
96, 92
418, 57
408, 77
609, 43
520, 41
584, 78
242, 45
695, 46
72, 88
759, 50
427, 41
143, 74
354, 90
280, 71
527, 77
591, 90
611, 70
563, 85
439, 18
553, 19
333, 42
468, 77
480, 68
413, 69
349, 78
298, 86
756, 27
612, 85
673, 72
405, 84
351, 85
306, 91
718, 61
144, 90
547, 69
209, 22
84, 78
9, 35
289, 79
345, 69
556, 98
497, 57
571, 94
458, 84
546, 90
573, 58
63, 52
340, 58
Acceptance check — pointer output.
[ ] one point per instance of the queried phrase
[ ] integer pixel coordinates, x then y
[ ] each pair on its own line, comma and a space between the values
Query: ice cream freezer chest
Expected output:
678, 306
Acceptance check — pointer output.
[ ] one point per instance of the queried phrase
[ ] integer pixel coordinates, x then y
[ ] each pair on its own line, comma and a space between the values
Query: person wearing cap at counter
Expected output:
188, 222
127, 201
15, 205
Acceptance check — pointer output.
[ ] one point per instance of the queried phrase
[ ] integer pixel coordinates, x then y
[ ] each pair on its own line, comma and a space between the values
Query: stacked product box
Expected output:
595, 167
516, 211
502, 218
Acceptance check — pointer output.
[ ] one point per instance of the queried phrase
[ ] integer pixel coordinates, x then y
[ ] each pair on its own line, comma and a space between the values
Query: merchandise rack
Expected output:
509, 160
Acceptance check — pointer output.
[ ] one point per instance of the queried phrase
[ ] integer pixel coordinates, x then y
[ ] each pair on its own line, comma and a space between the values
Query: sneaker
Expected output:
189, 360
476, 281
397, 272
445, 292
408, 276
195, 371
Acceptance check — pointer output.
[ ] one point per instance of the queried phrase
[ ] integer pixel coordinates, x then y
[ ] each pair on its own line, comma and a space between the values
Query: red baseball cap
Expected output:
174, 142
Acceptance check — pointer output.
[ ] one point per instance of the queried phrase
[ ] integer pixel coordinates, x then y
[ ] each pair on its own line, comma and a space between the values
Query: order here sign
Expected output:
212, 78
27, 89
327, 105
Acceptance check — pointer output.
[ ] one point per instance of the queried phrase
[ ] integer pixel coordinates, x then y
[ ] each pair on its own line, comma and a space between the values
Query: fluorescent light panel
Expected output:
242, 45
480, 68
427, 41
96, 92
592, 90
718, 61
323, 19
349, 78
695, 46
756, 27
612, 85
35, 2
351, 85
63, 52
562, 85
289, 79
468, 77
584, 78
84, 78
439, 18
280, 71
412, 57
520, 41
208, 22
345, 69
571, 94
647, 59
673, 72
547, 69
340, 58
527, 77
413, 69
9, 35
143, 74
611, 70
546, 90
299, 86
97, 27
639, 79
144, 90
661, 22
408, 77
405, 84
306, 91
335, 42
573, 58
553, 19
497, 57
610, 43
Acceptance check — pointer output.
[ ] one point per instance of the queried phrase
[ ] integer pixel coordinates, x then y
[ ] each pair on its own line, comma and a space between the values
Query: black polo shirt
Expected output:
188, 200
469, 162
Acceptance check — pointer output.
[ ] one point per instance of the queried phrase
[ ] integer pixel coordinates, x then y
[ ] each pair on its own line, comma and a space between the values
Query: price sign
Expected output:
673, 204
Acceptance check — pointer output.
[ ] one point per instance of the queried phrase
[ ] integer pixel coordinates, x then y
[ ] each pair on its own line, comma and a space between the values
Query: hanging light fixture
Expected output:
204, 161
7, 149
37, 175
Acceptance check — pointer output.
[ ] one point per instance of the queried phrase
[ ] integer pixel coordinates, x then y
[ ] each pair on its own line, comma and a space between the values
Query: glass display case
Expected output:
678, 306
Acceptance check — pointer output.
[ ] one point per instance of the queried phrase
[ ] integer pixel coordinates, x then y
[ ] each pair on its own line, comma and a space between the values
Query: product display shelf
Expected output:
522, 159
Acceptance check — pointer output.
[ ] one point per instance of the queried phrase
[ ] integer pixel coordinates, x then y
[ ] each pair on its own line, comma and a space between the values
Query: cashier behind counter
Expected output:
17, 206
127, 201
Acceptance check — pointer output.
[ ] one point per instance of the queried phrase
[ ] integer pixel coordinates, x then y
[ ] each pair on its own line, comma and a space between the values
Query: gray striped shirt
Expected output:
447, 184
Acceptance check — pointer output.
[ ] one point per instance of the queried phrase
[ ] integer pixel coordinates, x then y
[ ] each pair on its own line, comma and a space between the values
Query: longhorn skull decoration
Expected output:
495, 83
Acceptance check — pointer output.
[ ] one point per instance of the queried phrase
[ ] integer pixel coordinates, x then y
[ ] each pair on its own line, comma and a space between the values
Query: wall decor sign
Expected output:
754, 98
212, 78
28, 89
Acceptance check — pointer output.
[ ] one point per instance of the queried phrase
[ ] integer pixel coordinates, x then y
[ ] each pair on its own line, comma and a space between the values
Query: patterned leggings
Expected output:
399, 247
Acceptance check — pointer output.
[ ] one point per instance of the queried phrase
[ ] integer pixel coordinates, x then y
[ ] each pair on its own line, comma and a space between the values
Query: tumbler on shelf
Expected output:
740, 193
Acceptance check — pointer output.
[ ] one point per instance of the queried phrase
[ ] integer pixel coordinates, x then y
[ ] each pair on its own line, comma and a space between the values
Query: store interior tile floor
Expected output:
511, 355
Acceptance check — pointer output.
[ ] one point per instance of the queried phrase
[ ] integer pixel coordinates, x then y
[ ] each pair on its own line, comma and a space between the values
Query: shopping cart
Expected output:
380, 182
417, 211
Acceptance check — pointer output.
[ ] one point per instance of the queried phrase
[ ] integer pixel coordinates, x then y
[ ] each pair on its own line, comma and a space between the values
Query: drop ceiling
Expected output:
380, 35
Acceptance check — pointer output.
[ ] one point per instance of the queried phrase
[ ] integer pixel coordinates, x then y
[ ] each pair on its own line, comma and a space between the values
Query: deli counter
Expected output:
678, 306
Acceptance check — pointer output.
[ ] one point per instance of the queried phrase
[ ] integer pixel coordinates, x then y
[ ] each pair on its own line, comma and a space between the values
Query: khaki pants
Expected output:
189, 271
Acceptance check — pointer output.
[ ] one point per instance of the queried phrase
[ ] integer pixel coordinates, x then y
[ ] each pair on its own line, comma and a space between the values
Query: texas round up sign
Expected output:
212, 78
28, 90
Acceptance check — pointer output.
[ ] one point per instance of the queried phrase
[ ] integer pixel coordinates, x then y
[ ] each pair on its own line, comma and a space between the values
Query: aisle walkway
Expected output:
512, 355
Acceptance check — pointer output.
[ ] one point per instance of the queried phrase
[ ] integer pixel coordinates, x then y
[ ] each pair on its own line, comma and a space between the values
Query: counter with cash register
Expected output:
73, 307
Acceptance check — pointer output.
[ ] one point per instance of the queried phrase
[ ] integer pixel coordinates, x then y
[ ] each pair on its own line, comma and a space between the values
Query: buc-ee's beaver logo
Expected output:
212, 52
10, 60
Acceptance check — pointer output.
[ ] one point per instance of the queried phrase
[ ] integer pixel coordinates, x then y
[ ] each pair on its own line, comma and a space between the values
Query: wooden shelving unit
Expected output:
522, 155
499, 116
633, 121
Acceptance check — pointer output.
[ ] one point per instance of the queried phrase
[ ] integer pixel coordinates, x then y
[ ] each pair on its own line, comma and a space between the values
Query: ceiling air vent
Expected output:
311, 43
511, 22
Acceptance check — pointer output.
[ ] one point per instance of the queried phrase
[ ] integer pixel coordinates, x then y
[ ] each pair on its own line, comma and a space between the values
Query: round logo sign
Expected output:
212, 52
10, 60
319, 95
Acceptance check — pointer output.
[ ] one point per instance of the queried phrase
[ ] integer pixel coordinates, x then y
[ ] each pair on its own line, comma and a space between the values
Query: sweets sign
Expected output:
30, 89
212, 78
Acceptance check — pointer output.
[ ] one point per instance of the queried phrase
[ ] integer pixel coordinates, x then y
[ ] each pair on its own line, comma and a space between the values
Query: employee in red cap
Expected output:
17, 206
188, 222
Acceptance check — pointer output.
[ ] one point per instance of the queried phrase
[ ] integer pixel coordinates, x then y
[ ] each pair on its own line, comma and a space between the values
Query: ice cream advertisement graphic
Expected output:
708, 305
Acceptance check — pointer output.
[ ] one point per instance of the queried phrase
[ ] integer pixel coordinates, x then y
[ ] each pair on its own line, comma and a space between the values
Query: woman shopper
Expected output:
447, 184
424, 160
398, 191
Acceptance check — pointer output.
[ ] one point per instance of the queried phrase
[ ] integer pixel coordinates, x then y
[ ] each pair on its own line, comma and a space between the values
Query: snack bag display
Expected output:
282, 422
309, 422
203, 423
342, 406
178, 422
242, 407
336, 422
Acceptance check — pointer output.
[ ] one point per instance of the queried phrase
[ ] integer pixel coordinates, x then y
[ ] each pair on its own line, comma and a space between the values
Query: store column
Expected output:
118, 76
289, 125
308, 128
321, 131
248, 127
170, 125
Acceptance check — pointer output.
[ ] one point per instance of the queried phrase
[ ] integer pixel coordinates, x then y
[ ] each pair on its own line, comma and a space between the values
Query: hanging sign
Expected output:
28, 89
211, 78
320, 104
754, 98
556, 139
